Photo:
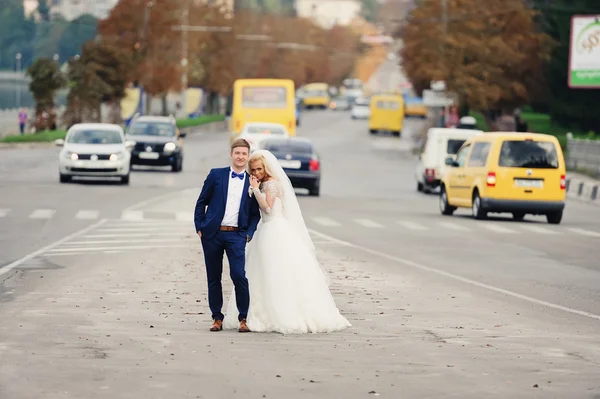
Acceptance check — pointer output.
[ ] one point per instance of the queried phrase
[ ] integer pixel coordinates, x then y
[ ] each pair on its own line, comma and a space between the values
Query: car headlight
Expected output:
117, 156
71, 155
170, 147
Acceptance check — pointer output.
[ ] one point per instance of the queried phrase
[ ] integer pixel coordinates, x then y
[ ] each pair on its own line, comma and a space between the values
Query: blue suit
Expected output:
208, 215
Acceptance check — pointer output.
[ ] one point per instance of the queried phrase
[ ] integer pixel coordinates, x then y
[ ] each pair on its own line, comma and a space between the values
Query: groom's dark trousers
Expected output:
218, 240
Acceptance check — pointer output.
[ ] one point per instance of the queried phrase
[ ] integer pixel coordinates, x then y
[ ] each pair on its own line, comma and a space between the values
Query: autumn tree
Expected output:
489, 53
46, 80
145, 31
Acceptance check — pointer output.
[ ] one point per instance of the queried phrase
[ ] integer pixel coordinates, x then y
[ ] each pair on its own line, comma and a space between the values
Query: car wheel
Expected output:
125, 179
65, 178
397, 134
372, 131
478, 211
420, 187
445, 208
518, 216
315, 190
554, 217
177, 164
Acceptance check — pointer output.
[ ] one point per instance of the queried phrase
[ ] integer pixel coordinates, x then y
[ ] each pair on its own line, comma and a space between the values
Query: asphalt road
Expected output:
440, 306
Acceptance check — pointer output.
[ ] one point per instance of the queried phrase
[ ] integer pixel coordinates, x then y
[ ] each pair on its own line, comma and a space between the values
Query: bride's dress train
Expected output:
288, 289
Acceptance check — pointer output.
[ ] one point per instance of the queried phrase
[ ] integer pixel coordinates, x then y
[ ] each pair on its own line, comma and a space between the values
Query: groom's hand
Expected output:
248, 238
199, 234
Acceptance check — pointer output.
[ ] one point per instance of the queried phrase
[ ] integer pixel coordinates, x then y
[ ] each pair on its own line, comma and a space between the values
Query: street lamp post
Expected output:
184, 57
18, 57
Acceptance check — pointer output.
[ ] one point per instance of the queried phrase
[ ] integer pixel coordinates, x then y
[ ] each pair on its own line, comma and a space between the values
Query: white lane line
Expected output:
115, 248
489, 287
454, 226
184, 217
327, 222
87, 215
412, 225
138, 235
497, 228
539, 229
180, 193
182, 229
329, 238
131, 241
42, 214
80, 253
4, 212
368, 223
584, 232
47, 248
132, 215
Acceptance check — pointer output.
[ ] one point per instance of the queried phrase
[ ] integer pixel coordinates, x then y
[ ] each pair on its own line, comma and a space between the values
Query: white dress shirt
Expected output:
234, 200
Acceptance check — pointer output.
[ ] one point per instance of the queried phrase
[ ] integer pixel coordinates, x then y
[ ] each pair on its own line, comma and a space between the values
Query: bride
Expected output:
289, 290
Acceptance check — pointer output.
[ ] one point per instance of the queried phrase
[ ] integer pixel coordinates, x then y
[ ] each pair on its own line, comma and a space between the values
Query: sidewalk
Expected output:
136, 325
583, 188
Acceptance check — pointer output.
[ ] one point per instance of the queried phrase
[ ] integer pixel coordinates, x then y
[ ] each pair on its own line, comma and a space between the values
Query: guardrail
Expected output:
584, 155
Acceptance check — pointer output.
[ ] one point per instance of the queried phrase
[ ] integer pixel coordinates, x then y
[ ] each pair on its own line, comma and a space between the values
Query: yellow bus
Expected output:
263, 100
316, 95
387, 114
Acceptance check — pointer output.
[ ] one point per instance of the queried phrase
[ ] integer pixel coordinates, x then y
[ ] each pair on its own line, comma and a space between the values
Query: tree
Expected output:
98, 76
16, 34
79, 31
46, 80
490, 53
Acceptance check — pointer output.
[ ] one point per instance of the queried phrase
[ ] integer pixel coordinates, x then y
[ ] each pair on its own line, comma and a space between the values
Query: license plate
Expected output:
529, 183
149, 155
290, 164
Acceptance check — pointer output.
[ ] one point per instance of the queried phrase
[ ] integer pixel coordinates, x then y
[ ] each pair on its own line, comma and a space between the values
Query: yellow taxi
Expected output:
416, 109
387, 114
518, 173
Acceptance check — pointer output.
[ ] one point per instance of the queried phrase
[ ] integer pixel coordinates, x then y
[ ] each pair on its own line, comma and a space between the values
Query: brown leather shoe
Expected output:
243, 326
217, 325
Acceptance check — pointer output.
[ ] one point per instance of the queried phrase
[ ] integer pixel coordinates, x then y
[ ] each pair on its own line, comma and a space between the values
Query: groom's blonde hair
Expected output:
259, 157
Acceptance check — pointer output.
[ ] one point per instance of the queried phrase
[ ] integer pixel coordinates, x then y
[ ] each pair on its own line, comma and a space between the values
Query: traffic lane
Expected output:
141, 314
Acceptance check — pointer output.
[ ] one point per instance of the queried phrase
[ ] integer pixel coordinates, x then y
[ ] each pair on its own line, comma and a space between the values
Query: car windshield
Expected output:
92, 136
528, 154
290, 146
152, 129
277, 130
454, 146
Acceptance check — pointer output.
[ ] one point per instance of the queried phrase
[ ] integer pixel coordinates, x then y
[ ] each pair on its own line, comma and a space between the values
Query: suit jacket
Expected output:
210, 206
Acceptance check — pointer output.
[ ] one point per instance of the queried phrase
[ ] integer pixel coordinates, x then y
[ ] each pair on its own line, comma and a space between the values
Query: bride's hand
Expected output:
254, 182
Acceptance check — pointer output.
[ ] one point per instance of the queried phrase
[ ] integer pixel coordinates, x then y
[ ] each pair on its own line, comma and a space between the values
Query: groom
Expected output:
225, 227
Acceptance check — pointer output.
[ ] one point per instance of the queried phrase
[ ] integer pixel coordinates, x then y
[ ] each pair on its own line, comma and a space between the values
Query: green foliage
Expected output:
370, 9
46, 80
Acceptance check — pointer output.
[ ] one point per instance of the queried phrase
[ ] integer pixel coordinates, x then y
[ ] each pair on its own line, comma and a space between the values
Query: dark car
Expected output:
158, 142
299, 160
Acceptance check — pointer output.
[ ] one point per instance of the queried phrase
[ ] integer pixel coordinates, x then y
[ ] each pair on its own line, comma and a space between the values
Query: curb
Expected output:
583, 190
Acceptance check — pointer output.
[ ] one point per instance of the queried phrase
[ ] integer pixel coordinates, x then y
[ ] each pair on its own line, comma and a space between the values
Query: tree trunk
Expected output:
165, 108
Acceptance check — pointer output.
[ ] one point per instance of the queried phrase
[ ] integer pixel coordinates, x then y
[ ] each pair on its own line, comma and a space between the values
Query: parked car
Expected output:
340, 103
361, 109
94, 150
255, 132
158, 142
299, 159
518, 173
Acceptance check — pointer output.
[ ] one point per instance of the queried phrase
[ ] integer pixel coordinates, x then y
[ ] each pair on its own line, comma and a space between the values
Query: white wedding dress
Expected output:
289, 292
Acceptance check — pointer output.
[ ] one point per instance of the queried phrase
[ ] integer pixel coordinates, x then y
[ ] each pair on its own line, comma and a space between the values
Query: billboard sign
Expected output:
584, 53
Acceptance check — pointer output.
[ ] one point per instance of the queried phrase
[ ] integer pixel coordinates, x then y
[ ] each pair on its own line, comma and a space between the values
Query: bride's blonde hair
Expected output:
259, 157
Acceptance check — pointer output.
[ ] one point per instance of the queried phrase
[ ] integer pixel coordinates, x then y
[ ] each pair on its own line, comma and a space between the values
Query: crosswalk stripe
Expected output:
183, 229
454, 226
132, 215
412, 225
87, 215
539, 230
498, 229
4, 212
184, 216
42, 214
140, 235
130, 241
324, 221
115, 248
368, 223
584, 232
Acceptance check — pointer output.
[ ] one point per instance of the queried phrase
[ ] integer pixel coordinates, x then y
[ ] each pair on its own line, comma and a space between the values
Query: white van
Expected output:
440, 143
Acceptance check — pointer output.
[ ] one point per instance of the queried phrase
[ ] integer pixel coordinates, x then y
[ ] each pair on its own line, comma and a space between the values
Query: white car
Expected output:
361, 109
94, 150
256, 132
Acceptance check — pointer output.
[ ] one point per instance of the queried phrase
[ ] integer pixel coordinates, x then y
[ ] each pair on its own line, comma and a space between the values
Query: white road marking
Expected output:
324, 221
497, 228
539, 229
412, 225
584, 232
47, 248
132, 215
130, 241
454, 226
419, 266
139, 235
144, 229
42, 214
115, 248
87, 215
4, 212
368, 223
185, 216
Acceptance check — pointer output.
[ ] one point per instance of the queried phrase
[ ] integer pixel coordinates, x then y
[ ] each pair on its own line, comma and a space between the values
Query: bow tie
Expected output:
240, 175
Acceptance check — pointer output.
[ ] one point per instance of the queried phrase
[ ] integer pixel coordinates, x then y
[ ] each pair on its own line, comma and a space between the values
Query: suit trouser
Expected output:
234, 245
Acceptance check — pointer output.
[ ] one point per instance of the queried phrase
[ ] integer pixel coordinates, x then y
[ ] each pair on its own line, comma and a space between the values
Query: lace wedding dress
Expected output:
288, 289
